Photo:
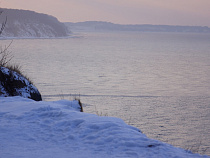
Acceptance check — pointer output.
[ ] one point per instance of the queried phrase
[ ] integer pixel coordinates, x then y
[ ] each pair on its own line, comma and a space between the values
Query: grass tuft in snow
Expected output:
18, 68
73, 97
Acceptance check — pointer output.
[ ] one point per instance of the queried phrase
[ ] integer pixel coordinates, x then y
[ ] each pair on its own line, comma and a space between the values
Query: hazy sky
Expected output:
169, 12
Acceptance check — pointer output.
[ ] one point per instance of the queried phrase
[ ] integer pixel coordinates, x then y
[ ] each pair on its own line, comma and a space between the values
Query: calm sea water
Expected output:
157, 82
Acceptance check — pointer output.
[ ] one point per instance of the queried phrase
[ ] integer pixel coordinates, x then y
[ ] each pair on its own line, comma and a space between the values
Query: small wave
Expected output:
101, 95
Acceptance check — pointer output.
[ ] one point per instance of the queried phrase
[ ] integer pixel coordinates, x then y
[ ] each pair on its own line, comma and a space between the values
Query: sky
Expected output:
166, 12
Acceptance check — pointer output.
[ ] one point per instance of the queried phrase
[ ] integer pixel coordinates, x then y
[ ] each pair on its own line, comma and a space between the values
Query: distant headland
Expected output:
108, 26
30, 24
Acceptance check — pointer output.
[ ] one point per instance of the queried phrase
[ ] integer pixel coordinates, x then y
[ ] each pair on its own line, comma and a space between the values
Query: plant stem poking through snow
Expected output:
80, 104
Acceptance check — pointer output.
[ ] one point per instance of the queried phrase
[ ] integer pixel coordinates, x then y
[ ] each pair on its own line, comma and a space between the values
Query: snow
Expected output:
26, 91
30, 29
29, 24
30, 129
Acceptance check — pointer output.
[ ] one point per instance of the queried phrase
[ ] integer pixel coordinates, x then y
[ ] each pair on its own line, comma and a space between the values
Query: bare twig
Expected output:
6, 56
3, 25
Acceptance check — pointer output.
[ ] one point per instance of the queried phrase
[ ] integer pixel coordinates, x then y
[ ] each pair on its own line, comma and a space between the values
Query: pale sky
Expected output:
166, 12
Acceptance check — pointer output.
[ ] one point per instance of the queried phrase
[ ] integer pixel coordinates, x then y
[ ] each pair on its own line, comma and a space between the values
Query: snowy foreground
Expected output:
30, 129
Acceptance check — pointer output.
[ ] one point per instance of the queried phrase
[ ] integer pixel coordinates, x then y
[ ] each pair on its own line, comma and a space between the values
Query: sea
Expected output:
157, 82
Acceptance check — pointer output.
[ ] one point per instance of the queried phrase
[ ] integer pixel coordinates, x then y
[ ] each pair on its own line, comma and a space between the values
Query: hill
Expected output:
107, 26
29, 24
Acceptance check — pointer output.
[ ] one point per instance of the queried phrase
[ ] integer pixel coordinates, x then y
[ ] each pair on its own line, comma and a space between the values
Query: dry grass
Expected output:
5, 55
73, 97
18, 68
5, 58
3, 25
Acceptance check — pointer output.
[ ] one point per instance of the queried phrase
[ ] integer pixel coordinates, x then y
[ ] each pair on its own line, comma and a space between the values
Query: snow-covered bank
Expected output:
58, 130
13, 83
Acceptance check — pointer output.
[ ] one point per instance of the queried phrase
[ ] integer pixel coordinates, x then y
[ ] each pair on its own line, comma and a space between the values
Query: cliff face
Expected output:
29, 24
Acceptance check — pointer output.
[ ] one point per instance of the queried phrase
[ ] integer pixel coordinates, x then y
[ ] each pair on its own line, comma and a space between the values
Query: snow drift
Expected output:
58, 130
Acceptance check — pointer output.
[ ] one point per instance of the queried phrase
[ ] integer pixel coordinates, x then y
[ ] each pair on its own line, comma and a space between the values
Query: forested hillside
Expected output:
29, 24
